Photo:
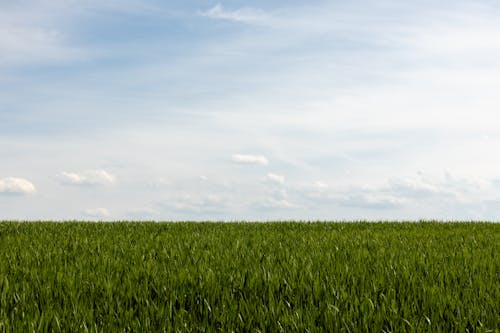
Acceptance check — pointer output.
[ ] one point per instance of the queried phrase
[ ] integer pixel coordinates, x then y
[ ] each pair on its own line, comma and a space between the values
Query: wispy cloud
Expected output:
249, 159
88, 178
29, 37
16, 186
245, 14
39, 33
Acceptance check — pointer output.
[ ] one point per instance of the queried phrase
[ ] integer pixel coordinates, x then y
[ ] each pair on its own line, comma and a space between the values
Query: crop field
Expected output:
249, 277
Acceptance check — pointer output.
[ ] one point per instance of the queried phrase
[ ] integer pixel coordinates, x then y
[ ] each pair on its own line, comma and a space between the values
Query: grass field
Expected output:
253, 277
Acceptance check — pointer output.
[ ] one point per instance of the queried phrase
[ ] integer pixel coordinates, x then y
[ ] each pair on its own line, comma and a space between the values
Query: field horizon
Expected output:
249, 221
256, 277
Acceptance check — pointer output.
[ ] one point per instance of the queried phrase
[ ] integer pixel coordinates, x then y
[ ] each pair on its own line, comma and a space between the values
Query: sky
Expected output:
261, 110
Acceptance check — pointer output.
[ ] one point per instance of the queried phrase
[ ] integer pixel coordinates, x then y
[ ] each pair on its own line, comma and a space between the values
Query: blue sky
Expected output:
249, 110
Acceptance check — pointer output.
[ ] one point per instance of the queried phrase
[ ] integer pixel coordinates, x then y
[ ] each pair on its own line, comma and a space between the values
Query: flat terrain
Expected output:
116, 277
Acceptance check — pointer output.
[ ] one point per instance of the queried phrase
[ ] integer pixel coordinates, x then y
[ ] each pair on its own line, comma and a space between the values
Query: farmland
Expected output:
255, 277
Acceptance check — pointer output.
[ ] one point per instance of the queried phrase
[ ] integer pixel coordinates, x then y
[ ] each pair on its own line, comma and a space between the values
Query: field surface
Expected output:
249, 277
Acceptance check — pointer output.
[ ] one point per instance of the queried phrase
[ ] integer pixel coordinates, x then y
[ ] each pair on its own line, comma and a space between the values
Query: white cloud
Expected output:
89, 177
97, 212
250, 159
13, 185
275, 178
245, 14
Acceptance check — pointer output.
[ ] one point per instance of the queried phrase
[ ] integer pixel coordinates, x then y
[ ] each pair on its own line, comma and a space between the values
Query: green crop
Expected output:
249, 277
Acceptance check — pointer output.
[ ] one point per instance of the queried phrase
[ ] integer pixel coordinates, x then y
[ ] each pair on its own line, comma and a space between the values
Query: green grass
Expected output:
253, 277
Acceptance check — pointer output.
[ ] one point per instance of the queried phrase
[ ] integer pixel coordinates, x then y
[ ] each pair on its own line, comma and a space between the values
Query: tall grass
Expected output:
254, 277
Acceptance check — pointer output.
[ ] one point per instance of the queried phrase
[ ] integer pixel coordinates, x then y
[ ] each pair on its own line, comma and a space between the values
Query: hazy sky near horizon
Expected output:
261, 110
